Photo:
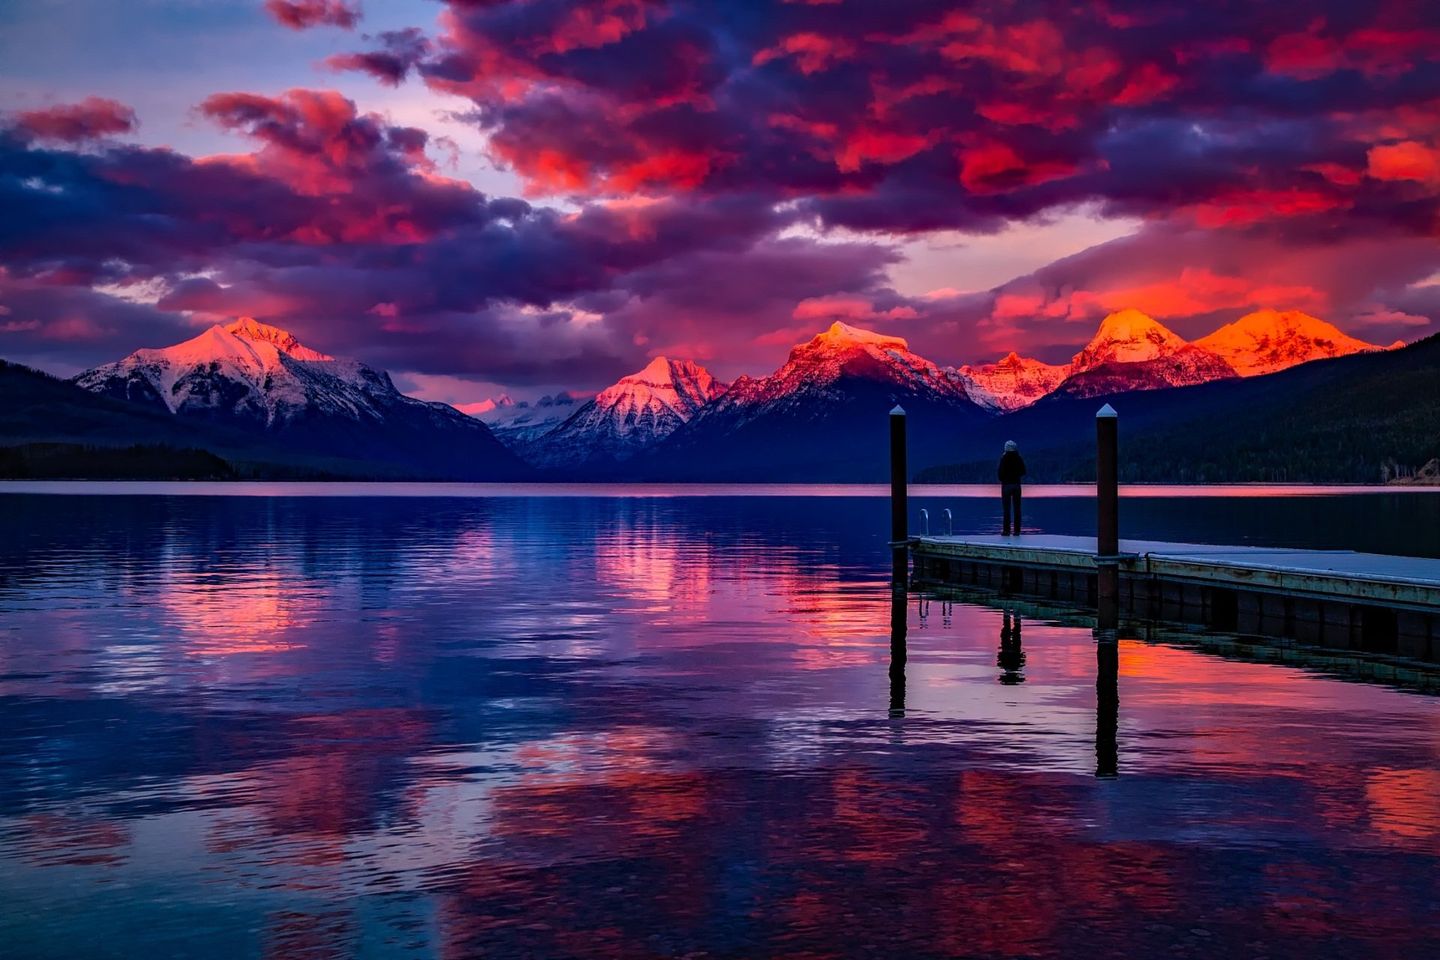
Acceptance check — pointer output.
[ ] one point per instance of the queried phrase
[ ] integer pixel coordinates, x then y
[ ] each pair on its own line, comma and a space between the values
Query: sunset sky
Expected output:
482, 195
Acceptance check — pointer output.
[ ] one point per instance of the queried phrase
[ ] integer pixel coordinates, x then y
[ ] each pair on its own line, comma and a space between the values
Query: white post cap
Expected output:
899, 411
1106, 411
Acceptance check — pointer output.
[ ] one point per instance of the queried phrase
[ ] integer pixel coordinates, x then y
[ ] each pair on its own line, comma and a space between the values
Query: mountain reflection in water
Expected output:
253, 727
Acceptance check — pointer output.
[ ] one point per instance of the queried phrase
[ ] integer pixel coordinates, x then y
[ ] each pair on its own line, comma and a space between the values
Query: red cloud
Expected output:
1407, 160
885, 146
586, 26
374, 180
995, 167
90, 119
303, 14
813, 52
1146, 84
1304, 55
1240, 206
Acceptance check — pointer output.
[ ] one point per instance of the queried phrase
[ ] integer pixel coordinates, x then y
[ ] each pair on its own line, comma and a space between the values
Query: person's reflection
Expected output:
1107, 704
1011, 658
899, 611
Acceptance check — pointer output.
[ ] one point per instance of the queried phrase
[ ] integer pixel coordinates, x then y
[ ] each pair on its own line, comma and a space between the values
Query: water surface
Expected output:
485, 725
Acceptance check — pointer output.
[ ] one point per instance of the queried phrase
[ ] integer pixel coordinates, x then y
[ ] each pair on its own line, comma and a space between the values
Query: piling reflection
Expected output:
1011, 658
1107, 703
899, 617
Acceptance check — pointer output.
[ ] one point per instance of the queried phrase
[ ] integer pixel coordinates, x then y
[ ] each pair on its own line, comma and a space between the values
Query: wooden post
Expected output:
899, 500
1107, 499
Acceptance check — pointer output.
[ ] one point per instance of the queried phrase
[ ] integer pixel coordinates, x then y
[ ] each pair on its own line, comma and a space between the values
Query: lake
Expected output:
442, 721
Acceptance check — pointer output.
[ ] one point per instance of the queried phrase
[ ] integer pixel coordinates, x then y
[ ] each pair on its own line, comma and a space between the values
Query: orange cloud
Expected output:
1407, 160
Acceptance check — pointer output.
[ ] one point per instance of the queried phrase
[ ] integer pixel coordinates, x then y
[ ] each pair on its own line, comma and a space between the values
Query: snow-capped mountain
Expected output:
1133, 351
517, 424
822, 415
1267, 341
633, 414
814, 369
243, 371
258, 378
1013, 382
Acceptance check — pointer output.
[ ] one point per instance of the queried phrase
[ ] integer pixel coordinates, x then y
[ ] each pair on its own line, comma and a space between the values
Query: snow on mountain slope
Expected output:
635, 413
1127, 336
246, 370
822, 415
517, 424
815, 367
1133, 351
1013, 382
1267, 341
259, 378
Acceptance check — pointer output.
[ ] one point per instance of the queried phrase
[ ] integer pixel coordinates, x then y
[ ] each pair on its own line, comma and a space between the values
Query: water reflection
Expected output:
632, 728
899, 625
1107, 703
1011, 658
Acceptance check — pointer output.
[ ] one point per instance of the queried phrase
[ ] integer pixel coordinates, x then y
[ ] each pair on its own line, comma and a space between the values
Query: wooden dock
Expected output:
1338, 598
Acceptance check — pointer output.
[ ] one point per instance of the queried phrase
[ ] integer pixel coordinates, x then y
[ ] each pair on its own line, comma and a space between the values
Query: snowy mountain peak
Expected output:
657, 371
518, 423
843, 352
249, 377
846, 350
682, 386
1012, 382
246, 369
844, 335
488, 405
248, 328
1270, 340
1128, 336
637, 411
1134, 351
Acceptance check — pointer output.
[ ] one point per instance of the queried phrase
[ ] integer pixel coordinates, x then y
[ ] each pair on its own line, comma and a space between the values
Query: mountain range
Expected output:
255, 380
807, 419
628, 418
253, 395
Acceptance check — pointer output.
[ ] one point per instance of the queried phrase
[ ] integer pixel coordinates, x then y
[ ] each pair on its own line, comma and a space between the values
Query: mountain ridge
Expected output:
251, 377
635, 413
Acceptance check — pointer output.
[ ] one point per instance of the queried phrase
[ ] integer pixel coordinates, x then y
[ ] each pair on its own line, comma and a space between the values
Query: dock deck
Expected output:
1334, 597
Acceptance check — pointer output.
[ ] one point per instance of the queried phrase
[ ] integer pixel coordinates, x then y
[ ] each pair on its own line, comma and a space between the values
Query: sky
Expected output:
530, 195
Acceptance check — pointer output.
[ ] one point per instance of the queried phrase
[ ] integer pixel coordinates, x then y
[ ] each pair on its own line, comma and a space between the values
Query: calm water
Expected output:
514, 726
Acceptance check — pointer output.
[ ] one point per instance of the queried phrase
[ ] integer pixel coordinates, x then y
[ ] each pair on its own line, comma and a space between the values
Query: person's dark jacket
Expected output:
1012, 467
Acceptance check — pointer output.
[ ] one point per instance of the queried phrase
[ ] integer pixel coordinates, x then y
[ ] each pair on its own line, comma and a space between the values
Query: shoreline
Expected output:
392, 488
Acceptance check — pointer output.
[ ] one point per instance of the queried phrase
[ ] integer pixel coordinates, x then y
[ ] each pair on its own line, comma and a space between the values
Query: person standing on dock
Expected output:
1012, 469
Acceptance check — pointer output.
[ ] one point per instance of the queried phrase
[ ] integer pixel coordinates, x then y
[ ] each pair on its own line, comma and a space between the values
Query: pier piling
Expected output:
1107, 500
899, 615
899, 501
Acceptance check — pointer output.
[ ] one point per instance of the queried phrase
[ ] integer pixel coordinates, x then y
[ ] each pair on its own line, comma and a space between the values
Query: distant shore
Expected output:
353, 488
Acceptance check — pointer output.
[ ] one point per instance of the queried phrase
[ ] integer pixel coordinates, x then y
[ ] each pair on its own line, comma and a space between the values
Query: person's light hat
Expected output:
1010, 446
